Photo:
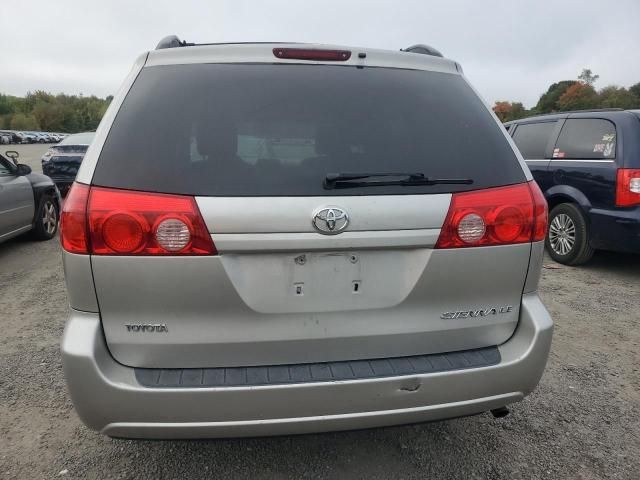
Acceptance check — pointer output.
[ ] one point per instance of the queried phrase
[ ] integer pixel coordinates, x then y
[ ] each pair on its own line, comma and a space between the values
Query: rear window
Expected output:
66, 158
532, 139
69, 148
586, 138
278, 130
84, 138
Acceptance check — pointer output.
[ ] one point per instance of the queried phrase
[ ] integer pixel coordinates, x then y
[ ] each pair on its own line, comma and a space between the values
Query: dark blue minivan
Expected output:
587, 164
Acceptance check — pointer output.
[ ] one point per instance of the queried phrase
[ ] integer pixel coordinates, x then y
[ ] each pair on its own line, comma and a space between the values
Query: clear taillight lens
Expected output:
471, 228
173, 234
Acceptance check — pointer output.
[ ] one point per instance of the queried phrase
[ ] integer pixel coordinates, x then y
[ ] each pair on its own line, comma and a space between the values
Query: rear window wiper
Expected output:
379, 179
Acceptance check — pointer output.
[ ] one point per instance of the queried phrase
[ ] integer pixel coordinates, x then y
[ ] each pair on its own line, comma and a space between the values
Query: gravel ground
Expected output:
582, 422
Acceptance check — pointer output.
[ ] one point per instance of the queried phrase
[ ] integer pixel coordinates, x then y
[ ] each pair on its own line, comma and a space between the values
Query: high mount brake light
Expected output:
312, 54
103, 221
628, 187
495, 216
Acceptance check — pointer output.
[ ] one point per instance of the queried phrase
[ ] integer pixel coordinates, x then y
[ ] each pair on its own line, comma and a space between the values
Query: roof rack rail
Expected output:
172, 41
609, 109
423, 49
584, 110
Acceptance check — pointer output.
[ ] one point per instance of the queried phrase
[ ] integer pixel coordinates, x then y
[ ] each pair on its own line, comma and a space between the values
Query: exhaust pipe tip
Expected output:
500, 412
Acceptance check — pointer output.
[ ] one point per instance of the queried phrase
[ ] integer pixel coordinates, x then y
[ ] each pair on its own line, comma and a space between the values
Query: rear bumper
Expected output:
617, 230
109, 398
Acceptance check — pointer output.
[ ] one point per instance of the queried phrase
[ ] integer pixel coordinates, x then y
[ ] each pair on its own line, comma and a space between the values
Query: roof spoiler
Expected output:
422, 49
172, 41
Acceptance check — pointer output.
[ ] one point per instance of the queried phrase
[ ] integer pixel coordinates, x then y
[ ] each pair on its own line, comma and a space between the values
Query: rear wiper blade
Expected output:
354, 180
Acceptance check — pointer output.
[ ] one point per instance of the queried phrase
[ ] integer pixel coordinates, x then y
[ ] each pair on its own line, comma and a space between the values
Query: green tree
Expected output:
548, 101
72, 121
5, 121
6, 104
517, 111
49, 116
20, 121
635, 90
616, 97
588, 77
42, 110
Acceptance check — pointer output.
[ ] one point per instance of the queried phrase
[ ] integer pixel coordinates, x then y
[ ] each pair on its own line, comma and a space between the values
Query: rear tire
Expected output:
47, 218
567, 239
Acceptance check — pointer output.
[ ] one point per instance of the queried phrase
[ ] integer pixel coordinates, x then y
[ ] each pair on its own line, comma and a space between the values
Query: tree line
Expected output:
42, 111
577, 94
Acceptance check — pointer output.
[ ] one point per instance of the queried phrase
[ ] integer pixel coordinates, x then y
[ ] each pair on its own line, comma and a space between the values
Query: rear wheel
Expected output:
568, 236
46, 222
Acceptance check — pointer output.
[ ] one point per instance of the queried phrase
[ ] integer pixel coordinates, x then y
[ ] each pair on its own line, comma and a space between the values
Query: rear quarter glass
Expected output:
632, 152
278, 130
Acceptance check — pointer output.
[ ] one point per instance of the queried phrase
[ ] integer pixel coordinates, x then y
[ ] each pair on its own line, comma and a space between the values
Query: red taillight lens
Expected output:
541, 214
312, 54
124, 233
103, 221
73, 221
495, 216
125, 222
628, 187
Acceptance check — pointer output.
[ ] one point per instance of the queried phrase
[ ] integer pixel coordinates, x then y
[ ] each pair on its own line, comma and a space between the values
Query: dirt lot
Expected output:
583, 421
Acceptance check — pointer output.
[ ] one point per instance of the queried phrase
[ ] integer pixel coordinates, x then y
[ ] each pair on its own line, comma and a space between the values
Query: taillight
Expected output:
73, 221
495, 216
312, 54
541, 213
628, 187
122, 222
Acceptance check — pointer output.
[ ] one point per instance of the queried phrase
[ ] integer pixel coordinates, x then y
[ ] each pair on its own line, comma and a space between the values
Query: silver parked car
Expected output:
29, 202
274, 239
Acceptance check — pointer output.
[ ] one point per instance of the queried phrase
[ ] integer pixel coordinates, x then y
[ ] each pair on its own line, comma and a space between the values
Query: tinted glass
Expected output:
66, 158
70, 148
254, 130
586, 138
5, 169
532, 139
84, 138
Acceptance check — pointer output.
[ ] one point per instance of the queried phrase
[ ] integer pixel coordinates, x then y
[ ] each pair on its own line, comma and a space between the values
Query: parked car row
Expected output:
11, 136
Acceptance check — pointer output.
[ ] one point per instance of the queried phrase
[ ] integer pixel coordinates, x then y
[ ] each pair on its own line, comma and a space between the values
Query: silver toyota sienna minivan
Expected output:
272, 239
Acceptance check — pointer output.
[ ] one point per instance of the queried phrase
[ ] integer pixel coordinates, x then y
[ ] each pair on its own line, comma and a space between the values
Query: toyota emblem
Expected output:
330, 220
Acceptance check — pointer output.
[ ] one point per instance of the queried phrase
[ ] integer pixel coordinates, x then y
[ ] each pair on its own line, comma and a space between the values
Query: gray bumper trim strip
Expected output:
316, 372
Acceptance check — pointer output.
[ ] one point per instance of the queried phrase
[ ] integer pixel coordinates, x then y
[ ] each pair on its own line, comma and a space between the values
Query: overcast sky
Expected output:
510, 50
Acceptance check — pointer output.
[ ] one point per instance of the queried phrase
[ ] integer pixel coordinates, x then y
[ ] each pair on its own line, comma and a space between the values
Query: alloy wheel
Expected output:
49, 217
562, 234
